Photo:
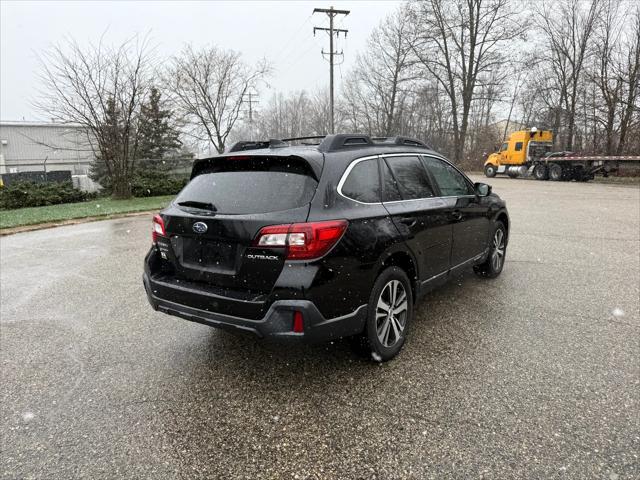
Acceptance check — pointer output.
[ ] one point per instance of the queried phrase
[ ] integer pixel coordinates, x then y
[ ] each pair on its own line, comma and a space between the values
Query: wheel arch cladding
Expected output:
405, 262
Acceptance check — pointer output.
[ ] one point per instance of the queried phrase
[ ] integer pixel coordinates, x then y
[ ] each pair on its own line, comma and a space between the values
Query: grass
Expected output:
95, 208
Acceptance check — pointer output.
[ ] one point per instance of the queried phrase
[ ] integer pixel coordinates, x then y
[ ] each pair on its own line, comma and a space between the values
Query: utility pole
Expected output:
251, 102
331, 13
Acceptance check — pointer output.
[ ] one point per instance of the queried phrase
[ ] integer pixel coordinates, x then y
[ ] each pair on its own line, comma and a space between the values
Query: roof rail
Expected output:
343, 141
312, 137
346, 141
332, 143
400, 140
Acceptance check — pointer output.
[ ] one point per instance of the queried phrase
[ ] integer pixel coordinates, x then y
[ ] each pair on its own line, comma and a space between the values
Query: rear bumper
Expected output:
276, 324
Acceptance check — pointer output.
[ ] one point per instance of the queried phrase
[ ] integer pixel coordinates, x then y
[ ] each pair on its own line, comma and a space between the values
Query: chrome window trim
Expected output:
351, 166
415, 200
346, 173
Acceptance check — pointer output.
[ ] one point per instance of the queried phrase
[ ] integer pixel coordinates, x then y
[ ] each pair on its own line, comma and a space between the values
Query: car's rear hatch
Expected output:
211, 225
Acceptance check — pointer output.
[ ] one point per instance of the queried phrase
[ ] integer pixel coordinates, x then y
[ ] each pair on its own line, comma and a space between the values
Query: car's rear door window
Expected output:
450, 182
363, 182
257, 185
411, 177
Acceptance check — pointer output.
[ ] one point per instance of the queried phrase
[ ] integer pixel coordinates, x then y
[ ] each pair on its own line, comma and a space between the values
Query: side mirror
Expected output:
482, 189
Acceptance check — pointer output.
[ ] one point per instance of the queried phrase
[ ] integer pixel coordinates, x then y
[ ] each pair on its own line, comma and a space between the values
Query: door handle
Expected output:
408, 221
456, 215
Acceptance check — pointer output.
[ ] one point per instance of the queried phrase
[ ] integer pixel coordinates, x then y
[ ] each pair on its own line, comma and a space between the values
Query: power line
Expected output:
293, 62
285, 50
331, 31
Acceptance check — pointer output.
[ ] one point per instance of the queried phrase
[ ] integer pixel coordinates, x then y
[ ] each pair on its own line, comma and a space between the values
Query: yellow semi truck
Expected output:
529, 152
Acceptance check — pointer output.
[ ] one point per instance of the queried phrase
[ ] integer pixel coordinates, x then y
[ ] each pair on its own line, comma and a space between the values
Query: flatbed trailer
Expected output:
528, 153
568, 166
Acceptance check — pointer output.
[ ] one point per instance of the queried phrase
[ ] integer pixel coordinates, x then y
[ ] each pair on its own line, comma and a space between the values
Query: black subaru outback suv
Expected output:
317, 242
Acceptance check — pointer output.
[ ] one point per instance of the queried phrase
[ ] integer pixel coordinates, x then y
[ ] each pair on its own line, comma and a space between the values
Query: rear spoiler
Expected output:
314, 160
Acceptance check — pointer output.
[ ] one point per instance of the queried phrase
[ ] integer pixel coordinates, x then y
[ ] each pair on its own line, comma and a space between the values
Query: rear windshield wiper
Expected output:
200, 205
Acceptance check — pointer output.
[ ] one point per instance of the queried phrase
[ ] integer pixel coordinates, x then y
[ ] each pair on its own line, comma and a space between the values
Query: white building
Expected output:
39, 147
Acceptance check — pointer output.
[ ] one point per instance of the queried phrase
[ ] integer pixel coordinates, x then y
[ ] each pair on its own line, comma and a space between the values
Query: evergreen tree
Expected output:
111, 132
157, 137
160, 163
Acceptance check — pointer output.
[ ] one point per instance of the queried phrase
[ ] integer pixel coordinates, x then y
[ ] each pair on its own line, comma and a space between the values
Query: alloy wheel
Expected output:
497, 256
391, 313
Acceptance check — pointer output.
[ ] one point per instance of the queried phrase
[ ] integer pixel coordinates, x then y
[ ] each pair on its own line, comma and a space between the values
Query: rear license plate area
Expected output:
200, 253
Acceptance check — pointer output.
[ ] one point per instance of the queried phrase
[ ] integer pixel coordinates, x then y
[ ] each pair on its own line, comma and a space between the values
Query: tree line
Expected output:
455, 73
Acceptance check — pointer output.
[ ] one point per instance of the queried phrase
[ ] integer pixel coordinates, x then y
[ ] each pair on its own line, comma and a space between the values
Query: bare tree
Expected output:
101, 89
355, 105
209, 88
320, 113
482, 137
630, 72
609, 84
391, 92
568, 26
458, 42
428, 116
384, 72
285, 116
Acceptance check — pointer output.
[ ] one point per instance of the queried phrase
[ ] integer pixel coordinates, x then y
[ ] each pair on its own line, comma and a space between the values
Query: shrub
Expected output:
30, 194
148, 183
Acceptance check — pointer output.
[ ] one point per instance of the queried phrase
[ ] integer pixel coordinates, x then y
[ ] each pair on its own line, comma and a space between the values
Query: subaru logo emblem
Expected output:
200, 227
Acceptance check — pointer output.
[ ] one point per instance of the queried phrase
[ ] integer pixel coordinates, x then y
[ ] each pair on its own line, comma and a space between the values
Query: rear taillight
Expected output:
303, 241
158, 228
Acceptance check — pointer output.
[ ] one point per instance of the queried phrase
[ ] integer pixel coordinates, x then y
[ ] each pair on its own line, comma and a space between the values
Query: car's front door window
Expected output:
450, 182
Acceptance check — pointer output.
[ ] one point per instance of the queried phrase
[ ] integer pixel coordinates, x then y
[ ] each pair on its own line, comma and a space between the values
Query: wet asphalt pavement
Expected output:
533, 375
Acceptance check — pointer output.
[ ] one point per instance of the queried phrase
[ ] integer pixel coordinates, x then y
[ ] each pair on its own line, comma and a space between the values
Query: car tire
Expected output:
555, 172
540, 172
383, 337
490, 170
493, 265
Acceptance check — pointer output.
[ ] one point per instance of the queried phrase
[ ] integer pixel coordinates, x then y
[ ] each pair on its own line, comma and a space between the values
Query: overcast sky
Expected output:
280, 31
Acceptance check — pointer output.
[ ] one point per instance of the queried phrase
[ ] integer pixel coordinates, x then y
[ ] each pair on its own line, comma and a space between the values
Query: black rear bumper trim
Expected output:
277, 323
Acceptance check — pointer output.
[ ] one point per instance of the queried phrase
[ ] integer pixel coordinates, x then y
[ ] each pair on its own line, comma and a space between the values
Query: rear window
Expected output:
256, 185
